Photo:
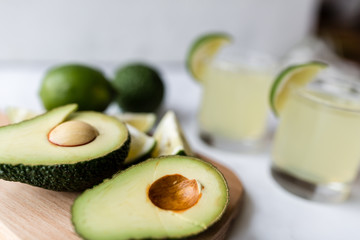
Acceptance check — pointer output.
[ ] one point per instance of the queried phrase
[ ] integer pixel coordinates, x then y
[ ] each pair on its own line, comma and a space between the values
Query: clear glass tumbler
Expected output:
316, 152
234, 108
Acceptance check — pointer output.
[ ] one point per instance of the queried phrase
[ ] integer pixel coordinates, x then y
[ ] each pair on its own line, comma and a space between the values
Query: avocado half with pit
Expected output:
165, 197
63, 150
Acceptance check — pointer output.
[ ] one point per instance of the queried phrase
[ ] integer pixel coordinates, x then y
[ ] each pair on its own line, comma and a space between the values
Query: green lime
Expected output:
204, 48
79, 84
139, 87
170, 138
143, 122
295, 76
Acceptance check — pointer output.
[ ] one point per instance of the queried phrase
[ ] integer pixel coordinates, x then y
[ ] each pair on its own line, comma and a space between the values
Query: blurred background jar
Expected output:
338, 24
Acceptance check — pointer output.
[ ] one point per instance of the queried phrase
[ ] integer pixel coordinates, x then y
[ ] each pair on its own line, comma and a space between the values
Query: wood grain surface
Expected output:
31, 213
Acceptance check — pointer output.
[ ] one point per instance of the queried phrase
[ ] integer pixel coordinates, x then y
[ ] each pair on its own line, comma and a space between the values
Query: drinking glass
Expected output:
234, 107
316, 152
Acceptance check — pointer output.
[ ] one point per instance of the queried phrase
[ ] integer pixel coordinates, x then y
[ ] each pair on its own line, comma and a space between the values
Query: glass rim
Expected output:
237, 65
249, 59
305, 93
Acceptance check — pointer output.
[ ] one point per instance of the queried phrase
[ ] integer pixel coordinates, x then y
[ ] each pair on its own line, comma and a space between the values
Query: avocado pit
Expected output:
175, 192
72, 133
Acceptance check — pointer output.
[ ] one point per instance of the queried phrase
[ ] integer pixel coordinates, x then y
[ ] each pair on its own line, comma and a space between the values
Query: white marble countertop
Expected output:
269, 212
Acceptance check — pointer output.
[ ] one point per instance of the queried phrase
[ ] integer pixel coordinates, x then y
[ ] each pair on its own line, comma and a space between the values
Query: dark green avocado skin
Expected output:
67, 177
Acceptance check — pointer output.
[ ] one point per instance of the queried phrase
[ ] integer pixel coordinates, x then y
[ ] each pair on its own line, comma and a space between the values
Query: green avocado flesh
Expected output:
120, 208
170, 138
28, 156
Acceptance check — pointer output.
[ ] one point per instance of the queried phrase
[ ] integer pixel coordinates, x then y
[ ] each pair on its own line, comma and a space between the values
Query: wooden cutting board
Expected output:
28, 213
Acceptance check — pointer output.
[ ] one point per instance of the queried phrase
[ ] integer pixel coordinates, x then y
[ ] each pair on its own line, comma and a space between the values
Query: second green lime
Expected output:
140, 88
79, 84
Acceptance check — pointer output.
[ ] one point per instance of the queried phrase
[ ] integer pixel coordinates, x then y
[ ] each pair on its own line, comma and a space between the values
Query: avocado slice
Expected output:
165, 197
170, 137
29, 156
141, 146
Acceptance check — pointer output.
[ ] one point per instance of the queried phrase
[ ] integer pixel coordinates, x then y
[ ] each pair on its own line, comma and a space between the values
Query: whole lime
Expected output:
140, 88
79, 84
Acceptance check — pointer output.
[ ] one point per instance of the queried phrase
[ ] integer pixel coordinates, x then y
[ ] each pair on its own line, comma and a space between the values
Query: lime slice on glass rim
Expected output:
144, 122
203, 48
141, 146
295, 76
170, 138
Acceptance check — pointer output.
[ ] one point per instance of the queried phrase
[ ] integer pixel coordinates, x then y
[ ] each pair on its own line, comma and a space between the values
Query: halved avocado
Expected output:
27, 155
165, 197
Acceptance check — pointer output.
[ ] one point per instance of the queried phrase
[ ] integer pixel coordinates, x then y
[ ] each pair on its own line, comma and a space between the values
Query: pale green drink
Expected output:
234, 106
318, 141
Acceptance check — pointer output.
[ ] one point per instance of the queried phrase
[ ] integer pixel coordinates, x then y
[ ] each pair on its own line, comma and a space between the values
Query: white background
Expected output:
153, 30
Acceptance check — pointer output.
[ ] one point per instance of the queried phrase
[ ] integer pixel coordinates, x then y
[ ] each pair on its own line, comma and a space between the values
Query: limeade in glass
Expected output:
234, 108
317, 144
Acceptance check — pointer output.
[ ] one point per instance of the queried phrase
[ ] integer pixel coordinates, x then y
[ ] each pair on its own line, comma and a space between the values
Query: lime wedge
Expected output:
144, 122
295, 76
170, 138
204, 48
17, 114
141, 146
